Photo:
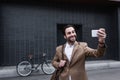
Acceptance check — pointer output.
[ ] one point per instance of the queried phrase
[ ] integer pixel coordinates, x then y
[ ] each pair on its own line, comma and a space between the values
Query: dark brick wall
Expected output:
118, 9
32, 28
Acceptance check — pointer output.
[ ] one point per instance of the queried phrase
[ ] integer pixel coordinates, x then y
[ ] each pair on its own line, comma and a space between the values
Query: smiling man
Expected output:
75, 53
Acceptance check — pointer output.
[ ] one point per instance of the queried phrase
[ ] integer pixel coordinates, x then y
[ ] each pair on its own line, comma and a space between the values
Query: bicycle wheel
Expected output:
47, 68
24, 68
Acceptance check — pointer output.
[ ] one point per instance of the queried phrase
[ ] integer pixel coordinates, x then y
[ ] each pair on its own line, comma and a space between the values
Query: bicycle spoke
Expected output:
24, 68
47, 68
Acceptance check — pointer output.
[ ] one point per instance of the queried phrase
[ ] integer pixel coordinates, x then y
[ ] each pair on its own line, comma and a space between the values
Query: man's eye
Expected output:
69, 32
73, 31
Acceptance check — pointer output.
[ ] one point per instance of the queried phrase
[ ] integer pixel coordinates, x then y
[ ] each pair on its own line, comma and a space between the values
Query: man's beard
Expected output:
71, 41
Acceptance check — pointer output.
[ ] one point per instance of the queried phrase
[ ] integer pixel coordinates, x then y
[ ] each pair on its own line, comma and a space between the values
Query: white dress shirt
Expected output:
68, 52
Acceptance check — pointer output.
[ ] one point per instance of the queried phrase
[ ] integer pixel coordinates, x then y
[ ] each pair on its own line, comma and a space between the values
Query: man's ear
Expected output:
64, 36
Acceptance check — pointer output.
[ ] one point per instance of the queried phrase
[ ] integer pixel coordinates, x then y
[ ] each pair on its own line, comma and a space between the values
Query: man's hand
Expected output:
62, 63
101, 36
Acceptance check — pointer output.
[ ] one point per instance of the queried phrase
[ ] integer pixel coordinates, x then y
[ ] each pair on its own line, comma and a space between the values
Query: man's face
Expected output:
70, 34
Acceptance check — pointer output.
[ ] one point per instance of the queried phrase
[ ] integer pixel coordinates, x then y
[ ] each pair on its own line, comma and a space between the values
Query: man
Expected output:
75, 54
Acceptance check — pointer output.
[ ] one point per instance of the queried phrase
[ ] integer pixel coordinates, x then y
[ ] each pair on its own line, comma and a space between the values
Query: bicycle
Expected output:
26, 66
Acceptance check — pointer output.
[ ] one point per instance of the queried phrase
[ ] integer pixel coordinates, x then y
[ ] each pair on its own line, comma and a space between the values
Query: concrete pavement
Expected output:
10, 71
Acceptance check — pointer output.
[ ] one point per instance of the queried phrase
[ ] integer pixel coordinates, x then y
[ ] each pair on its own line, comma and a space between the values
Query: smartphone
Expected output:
94, 33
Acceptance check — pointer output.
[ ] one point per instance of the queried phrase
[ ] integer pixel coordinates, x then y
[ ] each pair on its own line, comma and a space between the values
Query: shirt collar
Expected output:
69, 46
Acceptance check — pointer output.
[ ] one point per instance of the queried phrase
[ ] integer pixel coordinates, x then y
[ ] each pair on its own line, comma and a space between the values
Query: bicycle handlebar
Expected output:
30, 56
44, 54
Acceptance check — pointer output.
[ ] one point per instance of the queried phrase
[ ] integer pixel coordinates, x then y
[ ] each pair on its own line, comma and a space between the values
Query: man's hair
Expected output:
67, 26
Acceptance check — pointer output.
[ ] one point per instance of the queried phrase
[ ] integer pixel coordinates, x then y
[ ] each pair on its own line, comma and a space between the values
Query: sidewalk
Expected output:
10, 71
102, 64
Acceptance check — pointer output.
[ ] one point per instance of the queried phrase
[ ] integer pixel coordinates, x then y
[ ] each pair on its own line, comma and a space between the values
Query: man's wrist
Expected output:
101, 44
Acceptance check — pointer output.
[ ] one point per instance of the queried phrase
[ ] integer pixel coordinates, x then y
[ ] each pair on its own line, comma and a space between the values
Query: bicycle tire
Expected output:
47, 68
24, 68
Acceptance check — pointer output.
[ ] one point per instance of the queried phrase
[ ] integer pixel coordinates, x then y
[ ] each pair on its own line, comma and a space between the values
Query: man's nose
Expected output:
72, 34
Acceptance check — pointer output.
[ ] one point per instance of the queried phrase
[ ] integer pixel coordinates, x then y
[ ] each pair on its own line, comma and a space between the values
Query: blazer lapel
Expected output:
74, 50
65, 57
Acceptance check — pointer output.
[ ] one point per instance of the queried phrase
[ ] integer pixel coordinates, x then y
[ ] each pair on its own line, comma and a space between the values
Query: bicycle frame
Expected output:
30, 58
